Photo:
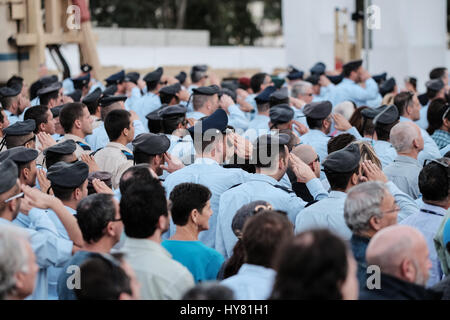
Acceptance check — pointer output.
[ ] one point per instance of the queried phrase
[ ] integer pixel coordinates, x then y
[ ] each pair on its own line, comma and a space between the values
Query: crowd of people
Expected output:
304, 185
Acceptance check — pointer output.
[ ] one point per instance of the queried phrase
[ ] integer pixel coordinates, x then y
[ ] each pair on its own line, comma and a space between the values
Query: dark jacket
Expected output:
359, 246
443, 287
393, 288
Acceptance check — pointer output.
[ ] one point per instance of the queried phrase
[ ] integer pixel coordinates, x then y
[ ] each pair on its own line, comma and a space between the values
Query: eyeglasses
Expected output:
17, 196
396, 209
116, 220
317, 159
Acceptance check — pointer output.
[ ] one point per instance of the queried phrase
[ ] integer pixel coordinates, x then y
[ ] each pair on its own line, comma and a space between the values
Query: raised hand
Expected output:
90, 161
301, 170
101, 187
340, 123
372, 172
45, 140
173, 163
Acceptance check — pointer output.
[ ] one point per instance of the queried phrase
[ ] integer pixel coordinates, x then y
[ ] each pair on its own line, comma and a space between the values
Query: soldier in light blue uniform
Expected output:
260, 123
236, 117
51, 95
10, 102
99, 138
64, 177
258, 83
150, 101
174, 126
271, 157
136, 94
384, 119
50, 250
435, 90
207, 169
350, 90
205, 102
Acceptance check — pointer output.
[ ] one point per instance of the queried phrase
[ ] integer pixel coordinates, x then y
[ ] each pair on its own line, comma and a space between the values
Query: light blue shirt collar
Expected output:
262, 272
206, 161
337, 194
263, 177
439, 210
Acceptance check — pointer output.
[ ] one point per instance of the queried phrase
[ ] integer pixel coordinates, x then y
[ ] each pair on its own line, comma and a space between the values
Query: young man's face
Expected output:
86, 122
49, 127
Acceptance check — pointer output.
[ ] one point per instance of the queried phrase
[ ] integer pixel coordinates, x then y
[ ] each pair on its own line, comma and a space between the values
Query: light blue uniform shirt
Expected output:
423, 121
257, 127
133, 99
54, 272
252, 282
429, 224
375, 103
327, 214
348, 90
146, 104
237, 118
99, 138
182, 148
430, 150
50, 250
96, 85
258, 187
404, 172
385, 151
209, 173
35, 102
251, 100
197, 115
445, 150
11, 117
68, 86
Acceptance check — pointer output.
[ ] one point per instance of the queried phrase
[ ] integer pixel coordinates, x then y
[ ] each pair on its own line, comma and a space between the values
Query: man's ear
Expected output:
77, 124
374, 223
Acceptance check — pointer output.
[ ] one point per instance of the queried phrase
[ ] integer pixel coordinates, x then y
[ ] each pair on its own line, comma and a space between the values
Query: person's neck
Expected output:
156, 237
442, 204
78, 133
122, 140
188, 232
204, 111
209, 156
71, 204
7, 216
267, 172
104, 245
407, 116
412, 154
263, 113
366, 234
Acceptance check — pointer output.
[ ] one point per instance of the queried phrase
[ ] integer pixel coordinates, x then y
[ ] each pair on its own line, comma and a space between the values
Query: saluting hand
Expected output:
242, 147
45, 140
300, 127
101, 187
301, 170
340, 123
373, 172
90, 161
44, 183
173, 163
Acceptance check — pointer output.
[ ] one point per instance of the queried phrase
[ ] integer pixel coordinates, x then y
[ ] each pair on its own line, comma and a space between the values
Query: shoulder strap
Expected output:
236, 185
311, 203
284, 189
128, 155
95, 152
84, 146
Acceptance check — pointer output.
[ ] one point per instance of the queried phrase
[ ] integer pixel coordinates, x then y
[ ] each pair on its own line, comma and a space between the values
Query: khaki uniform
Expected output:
116, 159
96, 123
82, 146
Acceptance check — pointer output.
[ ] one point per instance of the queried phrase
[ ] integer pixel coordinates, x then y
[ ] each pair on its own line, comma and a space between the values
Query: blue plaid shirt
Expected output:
442, 138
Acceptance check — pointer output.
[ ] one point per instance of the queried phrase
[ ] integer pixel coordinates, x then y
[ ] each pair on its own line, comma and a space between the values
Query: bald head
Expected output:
305, 152
403, 136
400, 251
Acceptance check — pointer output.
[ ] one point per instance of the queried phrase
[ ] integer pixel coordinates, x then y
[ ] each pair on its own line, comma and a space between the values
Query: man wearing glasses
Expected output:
434, 184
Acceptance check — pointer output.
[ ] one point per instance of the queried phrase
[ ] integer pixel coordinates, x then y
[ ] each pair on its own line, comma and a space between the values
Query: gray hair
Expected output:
402, 136
362, 203
346, 109
13, 258
299, 88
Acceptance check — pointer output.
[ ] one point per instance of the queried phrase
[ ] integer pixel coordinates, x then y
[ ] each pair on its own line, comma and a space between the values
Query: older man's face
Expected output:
390, 211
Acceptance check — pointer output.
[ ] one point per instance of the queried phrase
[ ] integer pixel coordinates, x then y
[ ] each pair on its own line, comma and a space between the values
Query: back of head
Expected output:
209, 291
362, 124
435, 114
305, 152
103, 279
39, 114
256, 81
312, 266
263, 235
434, 182
93, 215
135, 175
115, 122
186, 197
300, 88
402, 136
402, 101
346, 109
368, 153
69, 113
340, 142
141, 207
437, 73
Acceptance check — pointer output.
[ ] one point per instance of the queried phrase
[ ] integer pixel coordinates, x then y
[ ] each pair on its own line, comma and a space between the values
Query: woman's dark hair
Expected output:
340, 142
435, 113
311, 267
186, 197
362, 124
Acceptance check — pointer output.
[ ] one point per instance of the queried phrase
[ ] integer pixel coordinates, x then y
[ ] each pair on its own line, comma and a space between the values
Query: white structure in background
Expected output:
410, 42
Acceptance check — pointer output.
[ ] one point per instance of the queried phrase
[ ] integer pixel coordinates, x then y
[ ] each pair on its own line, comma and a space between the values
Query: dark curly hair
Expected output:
311, 267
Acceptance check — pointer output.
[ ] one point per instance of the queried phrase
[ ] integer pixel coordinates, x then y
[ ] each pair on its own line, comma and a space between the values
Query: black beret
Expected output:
156, 114
8, 178
384, 114
68, 175
168, 112
281, 113
53, 87
207, 91
318, 110
387, 86
19, 155
319, 68
181, 77
264, 97
313, 79
81, 82
336, 79
217, 121
435, 84
86, 68
16, 82
45, 81
294, 73
279, 97
151, 144
106, 101
154, 75
264, 147
199, 68
229, 93
352, 65
132, 77
56, 110
116, 78
9, 91
344, 160
20, 128
110, 90
93, 98
380, 77
64, 148
171, 90
76, 95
